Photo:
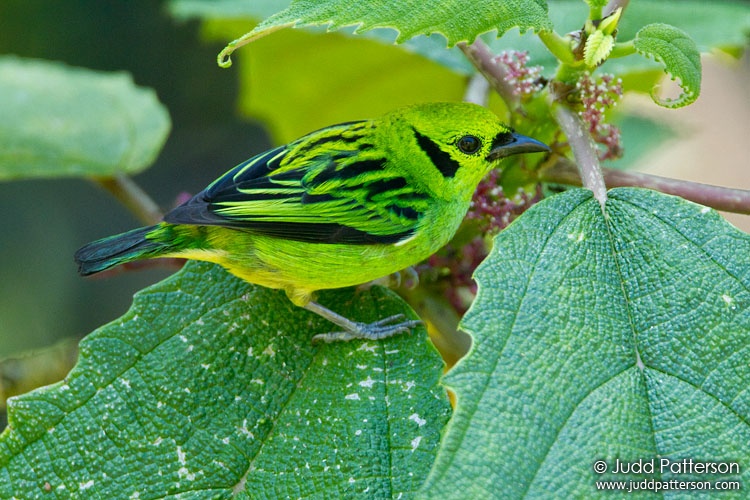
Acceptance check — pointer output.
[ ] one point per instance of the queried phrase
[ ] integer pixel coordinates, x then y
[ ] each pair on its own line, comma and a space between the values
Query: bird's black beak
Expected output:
509, 144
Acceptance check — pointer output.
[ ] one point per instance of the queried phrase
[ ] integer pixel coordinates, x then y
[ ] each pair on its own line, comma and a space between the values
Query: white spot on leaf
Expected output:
419, 421
369, 382
415, 443
367, 347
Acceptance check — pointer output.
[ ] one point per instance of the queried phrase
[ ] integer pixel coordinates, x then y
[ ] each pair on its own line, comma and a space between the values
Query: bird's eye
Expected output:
469, 144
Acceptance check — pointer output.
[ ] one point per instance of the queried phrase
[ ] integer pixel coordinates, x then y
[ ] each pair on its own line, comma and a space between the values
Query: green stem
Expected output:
622, 49
595, 12
558, 45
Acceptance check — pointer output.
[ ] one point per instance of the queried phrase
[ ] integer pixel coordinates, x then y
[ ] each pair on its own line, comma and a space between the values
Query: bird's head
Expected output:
454, 145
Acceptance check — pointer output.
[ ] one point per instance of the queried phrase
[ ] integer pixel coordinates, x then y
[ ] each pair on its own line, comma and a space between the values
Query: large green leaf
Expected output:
601, 338
64, 121
210, 388
450, 18
721, 24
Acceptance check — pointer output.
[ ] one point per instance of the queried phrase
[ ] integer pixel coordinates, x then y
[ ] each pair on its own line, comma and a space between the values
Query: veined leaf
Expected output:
65, 121
210, 388
601, 338
454, 19
696, 17
598, 46
679, 54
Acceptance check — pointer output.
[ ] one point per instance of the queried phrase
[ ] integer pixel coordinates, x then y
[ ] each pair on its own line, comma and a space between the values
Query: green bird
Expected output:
341, 206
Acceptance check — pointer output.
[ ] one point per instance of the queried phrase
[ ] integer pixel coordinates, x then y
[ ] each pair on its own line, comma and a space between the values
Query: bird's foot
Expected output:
371, 331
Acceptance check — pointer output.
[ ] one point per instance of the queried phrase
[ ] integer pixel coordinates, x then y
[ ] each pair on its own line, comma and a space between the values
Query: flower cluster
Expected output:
524, 79
492, 209
597, 96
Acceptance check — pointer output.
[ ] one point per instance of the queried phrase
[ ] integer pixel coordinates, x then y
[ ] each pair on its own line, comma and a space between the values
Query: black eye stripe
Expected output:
442, 160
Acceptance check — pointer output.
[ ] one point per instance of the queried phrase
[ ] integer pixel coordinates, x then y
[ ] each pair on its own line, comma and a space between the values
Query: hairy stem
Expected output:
480, 55
720, 198
132, 196
584, 151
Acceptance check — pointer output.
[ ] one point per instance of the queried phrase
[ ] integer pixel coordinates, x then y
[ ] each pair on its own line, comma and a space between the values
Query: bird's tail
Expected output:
119, 249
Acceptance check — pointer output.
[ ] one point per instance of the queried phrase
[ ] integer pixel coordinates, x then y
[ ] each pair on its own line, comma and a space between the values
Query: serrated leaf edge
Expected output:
688, 95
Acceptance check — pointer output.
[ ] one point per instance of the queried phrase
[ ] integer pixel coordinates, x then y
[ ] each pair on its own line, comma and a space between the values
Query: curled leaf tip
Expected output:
687, 96
679, 54
224, 59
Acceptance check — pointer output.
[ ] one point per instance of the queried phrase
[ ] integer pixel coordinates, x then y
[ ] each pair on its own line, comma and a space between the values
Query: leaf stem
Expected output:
558, 45
622, 49
584, 151
720, 198
132, 196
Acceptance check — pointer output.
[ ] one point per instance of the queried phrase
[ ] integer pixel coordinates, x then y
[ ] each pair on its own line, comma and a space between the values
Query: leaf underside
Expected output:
454, 19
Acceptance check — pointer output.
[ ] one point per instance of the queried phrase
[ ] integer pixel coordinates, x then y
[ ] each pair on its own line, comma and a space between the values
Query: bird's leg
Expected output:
355, 330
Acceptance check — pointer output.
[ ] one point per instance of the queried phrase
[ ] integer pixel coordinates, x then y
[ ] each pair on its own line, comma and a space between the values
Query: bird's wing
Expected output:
332, 186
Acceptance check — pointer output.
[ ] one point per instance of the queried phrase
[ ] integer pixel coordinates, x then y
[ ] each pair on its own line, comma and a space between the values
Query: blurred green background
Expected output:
45, 221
